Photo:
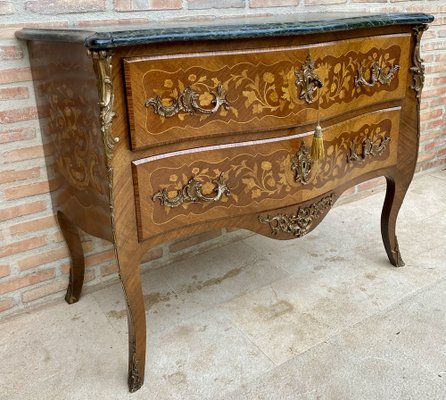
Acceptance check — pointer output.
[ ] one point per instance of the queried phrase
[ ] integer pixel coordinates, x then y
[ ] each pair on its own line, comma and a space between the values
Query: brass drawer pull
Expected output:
308, 80
370, 148
187, 102
192, 193
377, 75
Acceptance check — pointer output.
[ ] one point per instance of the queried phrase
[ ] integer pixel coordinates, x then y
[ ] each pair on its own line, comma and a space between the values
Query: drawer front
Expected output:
174, 99
209, 183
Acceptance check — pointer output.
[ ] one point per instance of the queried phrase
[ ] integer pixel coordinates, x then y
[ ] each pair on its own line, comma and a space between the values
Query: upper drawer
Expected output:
190, 96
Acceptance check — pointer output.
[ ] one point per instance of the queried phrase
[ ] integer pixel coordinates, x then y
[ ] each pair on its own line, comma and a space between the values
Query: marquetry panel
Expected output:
258, 174
192, 96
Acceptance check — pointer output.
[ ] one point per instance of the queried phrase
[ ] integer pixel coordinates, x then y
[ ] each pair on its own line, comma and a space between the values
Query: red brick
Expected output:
424, 105
135, 5
13, 135
25, 153
425, 116
272, 3
434, 68
429, 146
57, 238
19, 175
8, 30
439, 91
442, 152
371, 184
439, 20
129, 21
431, 45
64, 6
87, 246
27, 280
10, 53
206, 4
4, 270
434, 9
109, 269
14, 93
431, 135
6, 8
43, 258
22, 209
438, 101
15, 75
152, 255
193, 240
34, 225
430, 164
22, 245
433, 124
18, 114
27, 190
425, 156
99, 258
6, 304
43, 291
440, 57
440, 80
166, 4
323, 2
195, 18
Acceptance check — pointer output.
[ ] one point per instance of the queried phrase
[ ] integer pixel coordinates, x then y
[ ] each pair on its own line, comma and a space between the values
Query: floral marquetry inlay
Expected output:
75, 135
257, 177
249, 178
340, 75
279, 88
224, 92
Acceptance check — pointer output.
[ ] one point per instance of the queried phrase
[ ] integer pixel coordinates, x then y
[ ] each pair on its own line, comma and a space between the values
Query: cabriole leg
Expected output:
396, 190
77, 268
129, 270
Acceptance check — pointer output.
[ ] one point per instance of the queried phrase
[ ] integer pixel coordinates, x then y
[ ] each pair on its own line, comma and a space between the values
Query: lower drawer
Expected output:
204, 184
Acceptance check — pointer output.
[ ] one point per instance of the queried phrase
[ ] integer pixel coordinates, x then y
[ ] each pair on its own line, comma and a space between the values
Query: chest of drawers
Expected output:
163, 132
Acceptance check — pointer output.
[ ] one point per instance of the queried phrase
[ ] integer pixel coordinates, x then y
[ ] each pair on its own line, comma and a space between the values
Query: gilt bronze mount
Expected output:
308, 80
192, 192
187, 102
303, 221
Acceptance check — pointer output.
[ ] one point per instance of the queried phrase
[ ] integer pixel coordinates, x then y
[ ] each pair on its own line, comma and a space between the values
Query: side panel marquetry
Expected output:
258, 175
203, 95
66, 89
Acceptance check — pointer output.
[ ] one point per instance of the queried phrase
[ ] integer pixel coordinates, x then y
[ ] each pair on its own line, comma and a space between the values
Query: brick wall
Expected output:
33, 258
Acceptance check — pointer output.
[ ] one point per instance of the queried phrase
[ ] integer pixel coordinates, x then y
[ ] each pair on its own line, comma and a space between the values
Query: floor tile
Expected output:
398, 354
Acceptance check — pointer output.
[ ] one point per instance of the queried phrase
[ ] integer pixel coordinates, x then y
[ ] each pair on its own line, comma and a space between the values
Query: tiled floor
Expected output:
322, 317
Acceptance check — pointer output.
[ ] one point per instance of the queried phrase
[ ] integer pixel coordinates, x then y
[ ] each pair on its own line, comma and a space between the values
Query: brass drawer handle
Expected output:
370, 148
191, 192
308, 80
377, 75
187, 102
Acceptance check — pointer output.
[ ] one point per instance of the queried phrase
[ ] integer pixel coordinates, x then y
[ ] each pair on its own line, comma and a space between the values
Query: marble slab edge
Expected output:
118, 36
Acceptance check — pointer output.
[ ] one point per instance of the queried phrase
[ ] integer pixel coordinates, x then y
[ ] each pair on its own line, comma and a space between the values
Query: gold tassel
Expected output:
317, 146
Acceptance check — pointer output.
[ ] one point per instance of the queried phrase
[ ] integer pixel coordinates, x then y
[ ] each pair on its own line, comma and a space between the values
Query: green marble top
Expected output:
107, 37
